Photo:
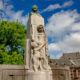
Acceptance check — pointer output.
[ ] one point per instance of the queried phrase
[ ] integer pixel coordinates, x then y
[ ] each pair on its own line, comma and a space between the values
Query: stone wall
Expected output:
60, 72
11, 72
17, 72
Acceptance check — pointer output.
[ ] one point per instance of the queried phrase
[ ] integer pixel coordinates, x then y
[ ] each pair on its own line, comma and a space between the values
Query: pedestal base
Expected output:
46, 75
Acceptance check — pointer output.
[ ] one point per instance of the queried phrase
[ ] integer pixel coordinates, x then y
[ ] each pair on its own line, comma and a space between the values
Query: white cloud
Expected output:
76, 27
51, 7
1, 5
14, 15
64, 29
69, 3
55, 56
18, 15
57, 6
70, 43
54, 47
60, 23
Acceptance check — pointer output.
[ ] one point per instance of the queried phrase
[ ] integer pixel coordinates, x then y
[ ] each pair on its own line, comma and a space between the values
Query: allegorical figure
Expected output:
38, 42
39, 49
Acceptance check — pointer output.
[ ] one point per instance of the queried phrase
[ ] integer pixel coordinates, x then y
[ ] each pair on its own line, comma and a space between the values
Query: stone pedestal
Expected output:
46, 75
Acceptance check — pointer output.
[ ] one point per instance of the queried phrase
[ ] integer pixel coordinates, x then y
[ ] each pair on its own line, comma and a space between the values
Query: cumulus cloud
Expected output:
66, 4
65, 28
1, 5
16, 15
61, 22
70, 43
57, 6
51, 7
12, 15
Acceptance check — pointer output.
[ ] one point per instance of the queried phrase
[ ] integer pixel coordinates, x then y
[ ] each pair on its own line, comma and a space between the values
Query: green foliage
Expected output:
12, 42
48, 59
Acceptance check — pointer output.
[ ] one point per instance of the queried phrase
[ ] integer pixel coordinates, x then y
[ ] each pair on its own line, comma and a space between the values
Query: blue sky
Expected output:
62, 21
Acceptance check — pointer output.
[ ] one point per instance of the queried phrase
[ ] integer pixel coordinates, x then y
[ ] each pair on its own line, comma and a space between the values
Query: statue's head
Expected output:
34, 8
40, 29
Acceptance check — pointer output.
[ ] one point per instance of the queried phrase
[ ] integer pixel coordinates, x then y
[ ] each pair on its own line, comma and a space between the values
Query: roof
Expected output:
75, 55
71, 63
68, 59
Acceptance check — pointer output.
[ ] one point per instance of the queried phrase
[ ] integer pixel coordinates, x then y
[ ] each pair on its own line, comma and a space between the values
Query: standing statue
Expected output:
38, 45
39, 49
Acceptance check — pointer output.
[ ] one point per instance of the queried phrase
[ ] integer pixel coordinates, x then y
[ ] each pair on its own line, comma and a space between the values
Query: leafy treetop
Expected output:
12, 42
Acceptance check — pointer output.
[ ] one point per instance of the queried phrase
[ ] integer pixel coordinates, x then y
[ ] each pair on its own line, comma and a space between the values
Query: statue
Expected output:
37, 45
34, 11
39, 49
36, 59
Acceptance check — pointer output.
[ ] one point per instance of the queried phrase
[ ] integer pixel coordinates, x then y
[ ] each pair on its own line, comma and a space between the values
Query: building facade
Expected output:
72, 60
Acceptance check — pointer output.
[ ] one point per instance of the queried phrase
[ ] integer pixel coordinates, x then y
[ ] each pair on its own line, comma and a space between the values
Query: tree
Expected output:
12, 42
48, 59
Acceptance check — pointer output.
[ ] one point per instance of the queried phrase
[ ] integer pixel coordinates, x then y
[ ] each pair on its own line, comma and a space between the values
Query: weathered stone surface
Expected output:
36, 59
36, 45
60, 72
38, 75
11, 72
17, 72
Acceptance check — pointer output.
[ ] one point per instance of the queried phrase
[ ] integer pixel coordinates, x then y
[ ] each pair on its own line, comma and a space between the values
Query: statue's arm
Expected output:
40, 46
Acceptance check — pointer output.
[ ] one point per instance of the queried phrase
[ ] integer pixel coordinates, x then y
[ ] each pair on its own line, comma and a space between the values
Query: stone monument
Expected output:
36, 62
36, 59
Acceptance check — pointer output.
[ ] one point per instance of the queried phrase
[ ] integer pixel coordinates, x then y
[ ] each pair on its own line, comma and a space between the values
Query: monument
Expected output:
36, 59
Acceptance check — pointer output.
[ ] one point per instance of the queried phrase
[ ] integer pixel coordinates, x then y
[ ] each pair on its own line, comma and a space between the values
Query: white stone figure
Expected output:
37, 45
36, 59
39, 49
